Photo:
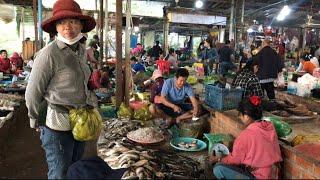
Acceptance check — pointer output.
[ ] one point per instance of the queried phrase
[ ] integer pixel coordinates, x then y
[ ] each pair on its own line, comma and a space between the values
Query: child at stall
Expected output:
255, 151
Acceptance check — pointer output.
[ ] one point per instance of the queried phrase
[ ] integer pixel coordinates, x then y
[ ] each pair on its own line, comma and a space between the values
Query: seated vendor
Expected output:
248, 80
306, 64
5, 65
99, 78
255, 151
155, 90
136, 65
173, 95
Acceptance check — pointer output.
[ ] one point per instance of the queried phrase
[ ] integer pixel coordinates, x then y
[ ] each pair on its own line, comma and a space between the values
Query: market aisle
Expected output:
23, 156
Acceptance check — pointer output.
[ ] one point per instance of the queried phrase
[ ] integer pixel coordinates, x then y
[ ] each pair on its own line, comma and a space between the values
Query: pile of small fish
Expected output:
116, 129
141, 162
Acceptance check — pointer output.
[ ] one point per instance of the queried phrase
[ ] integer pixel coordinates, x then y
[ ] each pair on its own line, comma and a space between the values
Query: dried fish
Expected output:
140, 163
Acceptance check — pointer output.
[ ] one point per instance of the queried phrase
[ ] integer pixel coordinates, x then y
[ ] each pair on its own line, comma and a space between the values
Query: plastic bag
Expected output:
280, 81
108, 111
124, 111
192, 80
86, 123
225, 139
142, 114
283, 129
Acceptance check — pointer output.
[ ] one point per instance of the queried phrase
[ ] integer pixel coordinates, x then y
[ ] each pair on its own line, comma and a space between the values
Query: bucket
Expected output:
191, 128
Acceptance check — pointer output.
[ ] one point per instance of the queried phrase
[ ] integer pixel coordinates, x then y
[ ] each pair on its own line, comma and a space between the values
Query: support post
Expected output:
242, 20
101, 30
304, 37
23, 25
106, 28
127, 53
119, 75
165, 31
35, 21
39, 24
231, 24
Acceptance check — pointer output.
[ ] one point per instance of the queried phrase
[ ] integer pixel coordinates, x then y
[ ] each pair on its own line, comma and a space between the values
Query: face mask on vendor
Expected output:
180, 81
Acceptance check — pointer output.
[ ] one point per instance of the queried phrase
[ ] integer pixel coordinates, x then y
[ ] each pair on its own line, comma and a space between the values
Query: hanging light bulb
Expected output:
199, 4
285, 11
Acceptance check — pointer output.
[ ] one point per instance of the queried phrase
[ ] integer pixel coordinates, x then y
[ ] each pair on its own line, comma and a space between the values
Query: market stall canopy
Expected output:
138, 8
264, 11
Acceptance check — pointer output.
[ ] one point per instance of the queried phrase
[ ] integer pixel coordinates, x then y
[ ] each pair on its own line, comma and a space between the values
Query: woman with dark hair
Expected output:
209, 56
172, 59
255, 151
200, 49
247, 80
307, 64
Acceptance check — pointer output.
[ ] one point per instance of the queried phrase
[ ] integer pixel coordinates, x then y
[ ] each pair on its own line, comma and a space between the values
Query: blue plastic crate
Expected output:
222, 99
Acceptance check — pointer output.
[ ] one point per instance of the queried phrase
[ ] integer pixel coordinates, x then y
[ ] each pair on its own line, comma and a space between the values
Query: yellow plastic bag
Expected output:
192, 80
142, 114
86, 123
301, 139
124, 111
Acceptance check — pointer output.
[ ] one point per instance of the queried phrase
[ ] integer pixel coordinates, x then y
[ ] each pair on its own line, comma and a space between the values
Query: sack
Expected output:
86, 123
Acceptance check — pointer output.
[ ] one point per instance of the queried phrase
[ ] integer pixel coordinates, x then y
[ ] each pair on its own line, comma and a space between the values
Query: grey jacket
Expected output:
59, 76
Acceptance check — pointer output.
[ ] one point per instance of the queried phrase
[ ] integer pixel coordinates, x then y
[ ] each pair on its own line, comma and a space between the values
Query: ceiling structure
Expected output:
263, 11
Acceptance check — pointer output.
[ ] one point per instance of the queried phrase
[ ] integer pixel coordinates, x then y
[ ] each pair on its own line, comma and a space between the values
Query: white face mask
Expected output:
69, 42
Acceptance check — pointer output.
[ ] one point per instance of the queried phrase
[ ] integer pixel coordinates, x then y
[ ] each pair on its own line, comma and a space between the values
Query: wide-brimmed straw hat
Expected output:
63, 9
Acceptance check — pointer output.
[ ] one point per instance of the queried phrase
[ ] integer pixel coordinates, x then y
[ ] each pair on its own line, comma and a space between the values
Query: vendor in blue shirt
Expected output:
136, 65
173, 95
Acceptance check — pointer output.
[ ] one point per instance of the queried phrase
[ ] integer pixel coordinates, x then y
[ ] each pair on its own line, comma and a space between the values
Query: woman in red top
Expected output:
99, 78
16, 60
5, 65
256, 149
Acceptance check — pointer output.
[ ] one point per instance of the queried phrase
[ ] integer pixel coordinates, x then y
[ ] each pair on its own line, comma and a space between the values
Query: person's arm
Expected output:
232, 56
96, 79
91, 57
193, 100
195, 106
40, 77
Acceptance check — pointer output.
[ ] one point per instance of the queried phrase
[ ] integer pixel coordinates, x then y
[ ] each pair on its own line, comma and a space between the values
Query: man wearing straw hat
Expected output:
59, 78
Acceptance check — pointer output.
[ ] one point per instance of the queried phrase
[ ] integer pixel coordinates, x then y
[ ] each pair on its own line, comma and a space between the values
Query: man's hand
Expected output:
176, 108
195, 111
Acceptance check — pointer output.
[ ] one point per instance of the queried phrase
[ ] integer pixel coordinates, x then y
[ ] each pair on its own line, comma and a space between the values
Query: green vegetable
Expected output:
192, 80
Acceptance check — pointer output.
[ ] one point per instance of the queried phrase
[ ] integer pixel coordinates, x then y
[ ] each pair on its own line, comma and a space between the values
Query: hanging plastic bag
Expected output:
124, 111
283, 129
280, 81
86, 123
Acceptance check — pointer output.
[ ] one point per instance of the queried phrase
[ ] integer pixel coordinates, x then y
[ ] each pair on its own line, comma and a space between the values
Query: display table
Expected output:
312, 104
165, 161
